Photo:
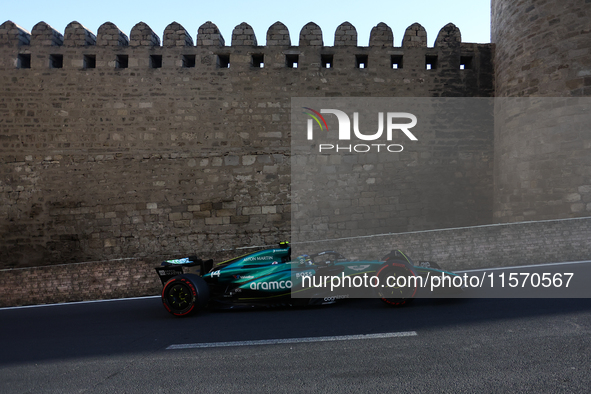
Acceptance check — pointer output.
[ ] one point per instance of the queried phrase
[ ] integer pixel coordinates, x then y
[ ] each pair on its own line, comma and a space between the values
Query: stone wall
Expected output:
78, 282
542, 161
346, 188
497, 245
116, 146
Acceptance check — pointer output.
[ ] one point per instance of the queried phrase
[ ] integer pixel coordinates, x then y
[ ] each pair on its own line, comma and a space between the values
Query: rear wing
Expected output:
188, 265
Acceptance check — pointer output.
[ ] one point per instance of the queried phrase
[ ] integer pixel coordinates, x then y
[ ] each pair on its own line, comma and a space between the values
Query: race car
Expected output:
270, 277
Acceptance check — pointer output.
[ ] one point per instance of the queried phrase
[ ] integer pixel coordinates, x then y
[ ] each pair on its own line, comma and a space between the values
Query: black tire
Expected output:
394, 295
185, 294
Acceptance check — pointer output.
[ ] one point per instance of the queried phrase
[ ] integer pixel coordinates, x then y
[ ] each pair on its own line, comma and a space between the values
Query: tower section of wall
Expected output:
542, 160
116, 145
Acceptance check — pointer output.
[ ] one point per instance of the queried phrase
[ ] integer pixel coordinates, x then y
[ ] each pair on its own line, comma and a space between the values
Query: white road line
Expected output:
293, 340
78, 302
524, 266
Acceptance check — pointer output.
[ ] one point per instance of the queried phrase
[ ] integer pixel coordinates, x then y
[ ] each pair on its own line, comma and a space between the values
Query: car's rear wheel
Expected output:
184, 294
398, 283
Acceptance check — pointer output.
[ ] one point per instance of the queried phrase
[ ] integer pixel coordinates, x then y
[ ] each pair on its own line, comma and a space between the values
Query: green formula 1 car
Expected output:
270, 277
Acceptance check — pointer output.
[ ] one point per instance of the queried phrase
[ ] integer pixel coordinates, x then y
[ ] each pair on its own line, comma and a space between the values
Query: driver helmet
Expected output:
304, 260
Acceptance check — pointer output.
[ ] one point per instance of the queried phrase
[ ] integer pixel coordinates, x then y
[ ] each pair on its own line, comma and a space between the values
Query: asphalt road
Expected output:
465, 345
462, 345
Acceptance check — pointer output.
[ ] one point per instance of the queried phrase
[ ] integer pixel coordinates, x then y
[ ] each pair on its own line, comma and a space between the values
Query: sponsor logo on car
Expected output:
259, 258
336, 297
179, 261
358, 267
283, 284
168, 272
303, 274
243, 277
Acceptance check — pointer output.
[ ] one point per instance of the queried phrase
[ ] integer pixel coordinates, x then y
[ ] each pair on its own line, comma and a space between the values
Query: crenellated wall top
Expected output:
208, 34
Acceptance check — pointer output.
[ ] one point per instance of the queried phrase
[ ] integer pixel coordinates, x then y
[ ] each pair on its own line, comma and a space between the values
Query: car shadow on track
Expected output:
136, 326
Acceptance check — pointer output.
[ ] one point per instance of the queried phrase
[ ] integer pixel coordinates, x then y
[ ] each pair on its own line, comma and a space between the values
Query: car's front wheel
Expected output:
398, 283
184, 294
